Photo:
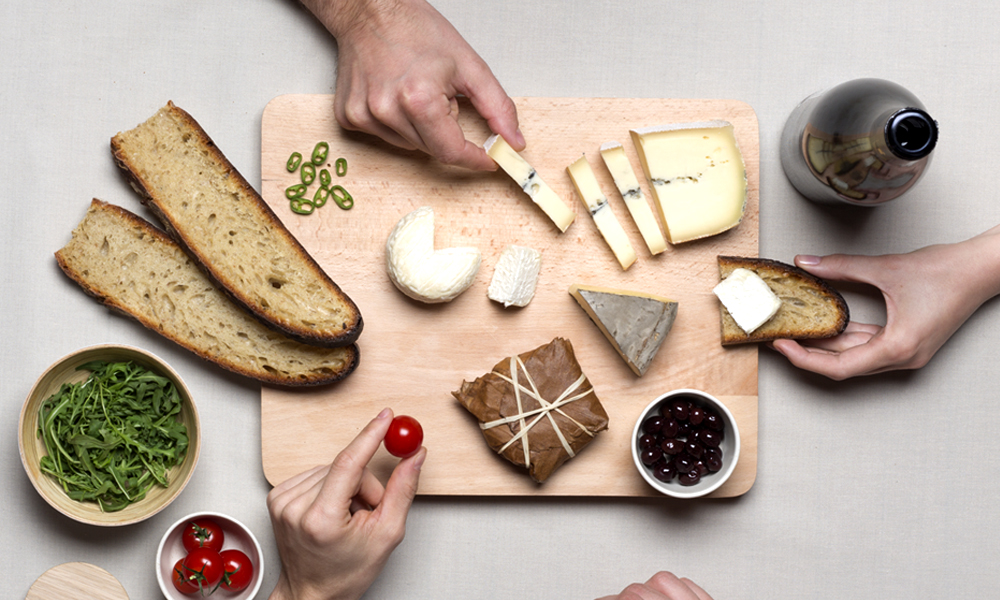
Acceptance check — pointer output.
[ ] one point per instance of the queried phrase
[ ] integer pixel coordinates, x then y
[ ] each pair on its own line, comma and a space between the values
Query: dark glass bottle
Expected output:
863, 142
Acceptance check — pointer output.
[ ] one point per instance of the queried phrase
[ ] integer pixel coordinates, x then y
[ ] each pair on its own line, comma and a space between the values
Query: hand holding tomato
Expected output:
336, 525
404, 437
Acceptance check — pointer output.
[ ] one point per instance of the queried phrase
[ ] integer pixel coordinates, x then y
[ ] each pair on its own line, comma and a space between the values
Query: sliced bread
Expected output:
135, 268
220, 219
810, 308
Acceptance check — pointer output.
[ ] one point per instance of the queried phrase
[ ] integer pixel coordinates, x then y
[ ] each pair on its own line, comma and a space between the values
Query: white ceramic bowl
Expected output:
32, 448
237, 536
730, 445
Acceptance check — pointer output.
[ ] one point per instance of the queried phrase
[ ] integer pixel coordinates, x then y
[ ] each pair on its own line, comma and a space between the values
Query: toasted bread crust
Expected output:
147, 162
810, 307
172, 296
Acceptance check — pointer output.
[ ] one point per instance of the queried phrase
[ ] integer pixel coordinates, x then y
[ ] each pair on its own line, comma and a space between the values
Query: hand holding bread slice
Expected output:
809, 307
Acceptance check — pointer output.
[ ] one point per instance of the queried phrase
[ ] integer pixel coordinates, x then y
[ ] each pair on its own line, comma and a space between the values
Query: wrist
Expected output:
344, 17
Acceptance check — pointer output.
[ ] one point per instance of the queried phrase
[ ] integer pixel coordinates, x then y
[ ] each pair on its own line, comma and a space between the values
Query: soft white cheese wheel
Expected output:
420, 271
515, 276
748, 299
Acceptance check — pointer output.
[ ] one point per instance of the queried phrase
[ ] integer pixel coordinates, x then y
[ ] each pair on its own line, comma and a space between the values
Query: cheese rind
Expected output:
515, 276
420, 271
530, 181
628, 186
748, 298
697, 176
597, 204
635, 323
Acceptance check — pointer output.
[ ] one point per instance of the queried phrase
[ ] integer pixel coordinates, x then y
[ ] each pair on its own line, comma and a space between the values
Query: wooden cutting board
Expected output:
414, 355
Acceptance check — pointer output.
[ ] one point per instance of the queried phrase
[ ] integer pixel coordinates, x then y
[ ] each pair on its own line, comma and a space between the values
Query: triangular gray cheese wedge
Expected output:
635, 323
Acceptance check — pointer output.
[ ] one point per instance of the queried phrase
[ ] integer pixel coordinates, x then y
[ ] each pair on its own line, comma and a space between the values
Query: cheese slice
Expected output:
628, 186
748, 298
597, 204
635, 323
515, 276
527, 177
698, 177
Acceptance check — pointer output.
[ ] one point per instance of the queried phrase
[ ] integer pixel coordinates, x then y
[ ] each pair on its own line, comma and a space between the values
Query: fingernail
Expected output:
384, 414
807, 260
419, 460
519, 138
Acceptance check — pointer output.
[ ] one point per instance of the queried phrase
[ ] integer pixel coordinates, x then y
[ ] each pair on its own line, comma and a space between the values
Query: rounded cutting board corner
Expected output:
76, 581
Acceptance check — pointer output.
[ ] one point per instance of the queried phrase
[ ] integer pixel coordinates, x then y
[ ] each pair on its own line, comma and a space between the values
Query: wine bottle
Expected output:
863, 142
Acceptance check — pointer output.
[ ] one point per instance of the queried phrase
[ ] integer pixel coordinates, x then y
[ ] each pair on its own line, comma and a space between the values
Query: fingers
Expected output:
348, 468
863, 359
842, 267
674, 588
400, 491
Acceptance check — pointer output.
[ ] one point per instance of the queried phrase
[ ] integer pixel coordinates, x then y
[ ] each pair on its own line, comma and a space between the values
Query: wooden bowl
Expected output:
32, 448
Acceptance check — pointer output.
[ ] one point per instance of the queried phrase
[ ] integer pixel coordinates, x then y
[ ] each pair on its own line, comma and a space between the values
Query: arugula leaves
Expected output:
112, 437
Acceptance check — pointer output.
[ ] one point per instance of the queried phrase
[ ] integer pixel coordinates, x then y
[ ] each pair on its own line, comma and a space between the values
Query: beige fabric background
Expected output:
883, 487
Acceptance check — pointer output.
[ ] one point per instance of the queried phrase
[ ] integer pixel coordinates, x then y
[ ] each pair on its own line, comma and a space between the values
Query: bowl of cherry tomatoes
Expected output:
209, 555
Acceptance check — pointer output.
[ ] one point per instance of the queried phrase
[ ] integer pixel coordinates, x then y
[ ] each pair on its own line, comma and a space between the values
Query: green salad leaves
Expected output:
112, 437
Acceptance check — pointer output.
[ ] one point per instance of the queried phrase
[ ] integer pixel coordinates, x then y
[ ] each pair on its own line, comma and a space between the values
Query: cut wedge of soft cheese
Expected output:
628, 185
527, 177
420, 271
515, 276
635, 323
697, 175
597, 204
748, 298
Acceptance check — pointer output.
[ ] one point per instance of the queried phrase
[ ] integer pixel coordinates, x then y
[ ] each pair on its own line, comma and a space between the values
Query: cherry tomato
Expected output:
404, 437
182, 582
238, 570
204, 566
203, 533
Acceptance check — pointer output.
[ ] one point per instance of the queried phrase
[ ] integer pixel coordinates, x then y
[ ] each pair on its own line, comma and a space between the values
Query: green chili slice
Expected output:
320, 152
308, 173
321, 196
341, 167
324, 178
342, 197
302, 206
293, 162
295, 191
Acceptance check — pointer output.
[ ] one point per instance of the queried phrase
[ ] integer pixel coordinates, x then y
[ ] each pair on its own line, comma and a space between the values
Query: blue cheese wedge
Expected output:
515, 276
697, 175
597, 205
530, 181
748, 298
635, 323
628, 186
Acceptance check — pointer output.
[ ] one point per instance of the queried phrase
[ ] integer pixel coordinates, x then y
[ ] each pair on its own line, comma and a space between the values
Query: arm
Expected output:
400, 67
662, 586
335, 525
929, 294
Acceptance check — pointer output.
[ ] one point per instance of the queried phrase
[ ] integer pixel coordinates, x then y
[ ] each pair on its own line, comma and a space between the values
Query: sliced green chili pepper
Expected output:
293, 162
341, 167
342, 197
302, 206
321, 196
308, 173
324, 178
320, 153
296, 191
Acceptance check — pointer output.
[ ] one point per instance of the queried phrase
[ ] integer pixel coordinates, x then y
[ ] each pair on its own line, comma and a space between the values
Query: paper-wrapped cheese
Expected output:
536, 409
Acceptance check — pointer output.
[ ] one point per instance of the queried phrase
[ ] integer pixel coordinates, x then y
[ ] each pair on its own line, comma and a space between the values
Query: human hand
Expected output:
662, 586
400, 67
335, 525
929, 294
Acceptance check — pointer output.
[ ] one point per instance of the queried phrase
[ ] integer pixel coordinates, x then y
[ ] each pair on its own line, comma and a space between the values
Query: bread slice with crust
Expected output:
136, 269
810, 308
211, 210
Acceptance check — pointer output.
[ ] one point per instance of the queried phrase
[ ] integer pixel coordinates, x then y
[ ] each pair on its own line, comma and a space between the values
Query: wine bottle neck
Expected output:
910, 133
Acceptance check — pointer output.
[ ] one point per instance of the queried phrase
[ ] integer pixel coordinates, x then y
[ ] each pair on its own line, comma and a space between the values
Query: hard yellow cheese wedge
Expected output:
525, 175
698, 177
628, 186
597, 204
635, 323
